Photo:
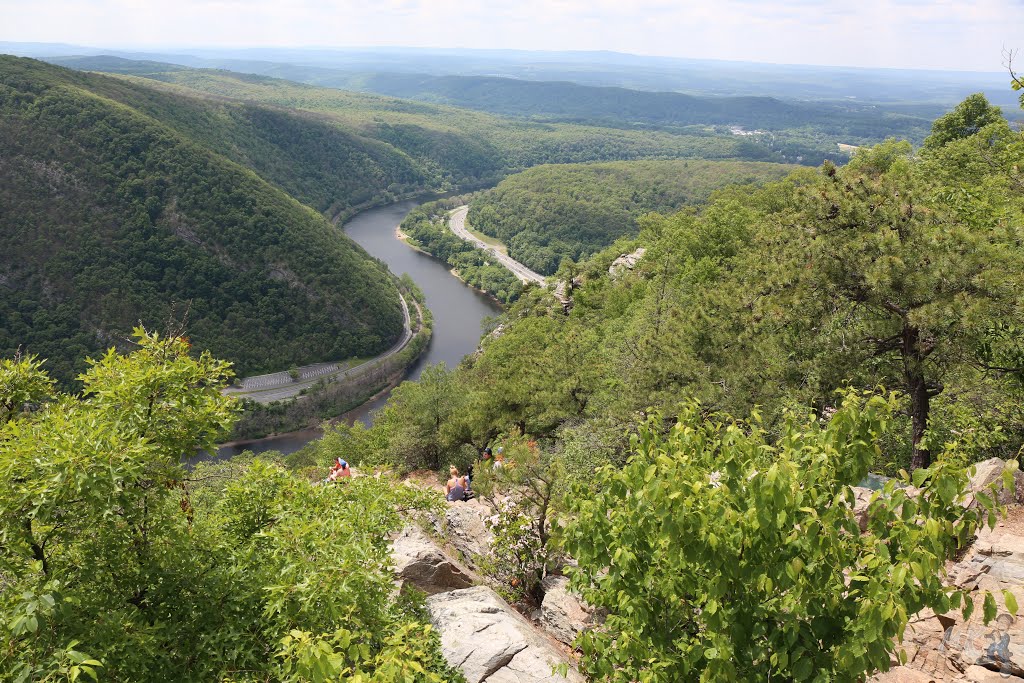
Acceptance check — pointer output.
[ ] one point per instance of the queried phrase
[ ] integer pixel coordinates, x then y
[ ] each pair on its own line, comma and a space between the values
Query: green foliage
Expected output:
415, 420
966, 119
427, 228
22, 381
516, 558
113, 214
120, 564
885, 279
722, 554
525, 490
548, 213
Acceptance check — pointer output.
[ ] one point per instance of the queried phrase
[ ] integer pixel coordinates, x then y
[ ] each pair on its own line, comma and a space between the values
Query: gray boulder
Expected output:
420, 562
626, 262
563, 614
860, 508
488, 641
463, 529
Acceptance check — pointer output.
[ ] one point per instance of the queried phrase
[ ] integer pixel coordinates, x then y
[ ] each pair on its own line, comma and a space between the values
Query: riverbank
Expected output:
453, 310
411, 243
427, 229
296, 382
328, 397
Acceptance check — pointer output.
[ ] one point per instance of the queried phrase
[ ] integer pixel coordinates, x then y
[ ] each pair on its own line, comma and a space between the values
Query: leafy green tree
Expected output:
723, 555
96, 478
22, 381
416, 420
117, 561
526, 492
877, 277
966, 119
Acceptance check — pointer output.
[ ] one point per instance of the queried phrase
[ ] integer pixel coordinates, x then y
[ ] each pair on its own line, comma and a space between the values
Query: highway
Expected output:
457, 223
278, 386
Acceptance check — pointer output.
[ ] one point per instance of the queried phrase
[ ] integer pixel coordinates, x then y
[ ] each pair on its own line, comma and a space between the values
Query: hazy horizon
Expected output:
202, 49
941, 35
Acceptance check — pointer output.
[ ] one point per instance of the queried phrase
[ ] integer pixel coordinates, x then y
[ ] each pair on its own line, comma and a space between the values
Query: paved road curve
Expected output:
457, 223
280, 385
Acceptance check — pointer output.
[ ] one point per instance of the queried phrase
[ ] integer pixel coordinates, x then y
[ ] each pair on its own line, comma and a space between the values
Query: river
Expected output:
458, 312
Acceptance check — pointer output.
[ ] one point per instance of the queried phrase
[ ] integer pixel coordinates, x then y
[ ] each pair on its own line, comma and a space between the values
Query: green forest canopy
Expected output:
111, 217
548, 213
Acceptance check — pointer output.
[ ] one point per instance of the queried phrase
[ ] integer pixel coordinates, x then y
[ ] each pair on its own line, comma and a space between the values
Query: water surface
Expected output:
458, 312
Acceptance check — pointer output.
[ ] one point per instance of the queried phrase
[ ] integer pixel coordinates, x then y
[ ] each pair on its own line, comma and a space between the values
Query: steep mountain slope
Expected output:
110, 215
322, 165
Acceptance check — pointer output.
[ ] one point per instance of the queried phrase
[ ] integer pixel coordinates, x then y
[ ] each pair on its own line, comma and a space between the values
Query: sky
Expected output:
926, 34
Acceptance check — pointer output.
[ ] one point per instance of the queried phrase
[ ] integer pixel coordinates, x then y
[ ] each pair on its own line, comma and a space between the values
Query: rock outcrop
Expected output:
562, 614
626, 262
948, 648
464, 530
420, 562
488, 641
989, 472
860, 507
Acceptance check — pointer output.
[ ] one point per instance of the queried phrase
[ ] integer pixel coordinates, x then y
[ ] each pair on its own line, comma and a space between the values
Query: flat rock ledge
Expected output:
488, 641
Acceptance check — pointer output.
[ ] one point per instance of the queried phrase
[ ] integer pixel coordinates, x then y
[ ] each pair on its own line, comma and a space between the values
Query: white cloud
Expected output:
899, 33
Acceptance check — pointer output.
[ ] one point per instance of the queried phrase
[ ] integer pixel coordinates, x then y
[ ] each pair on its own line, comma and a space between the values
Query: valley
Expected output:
454, 365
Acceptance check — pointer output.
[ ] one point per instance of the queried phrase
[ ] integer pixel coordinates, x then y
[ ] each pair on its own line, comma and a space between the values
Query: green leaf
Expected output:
989, 609
968, 608
1011, 602
919, 476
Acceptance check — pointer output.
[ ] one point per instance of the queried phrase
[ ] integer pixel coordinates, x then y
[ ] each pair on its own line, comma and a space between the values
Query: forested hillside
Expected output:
547, 213
427, 228
565, 101
465, 147
325, 166
112, 213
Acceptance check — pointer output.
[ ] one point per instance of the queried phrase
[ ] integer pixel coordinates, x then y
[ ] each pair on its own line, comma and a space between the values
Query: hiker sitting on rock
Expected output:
455, 489
339, 470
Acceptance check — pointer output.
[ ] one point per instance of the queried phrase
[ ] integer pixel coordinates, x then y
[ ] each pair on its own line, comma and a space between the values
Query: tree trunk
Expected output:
917, 387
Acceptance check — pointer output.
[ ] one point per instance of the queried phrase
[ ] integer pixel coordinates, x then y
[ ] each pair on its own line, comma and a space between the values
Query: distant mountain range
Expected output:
601, 68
